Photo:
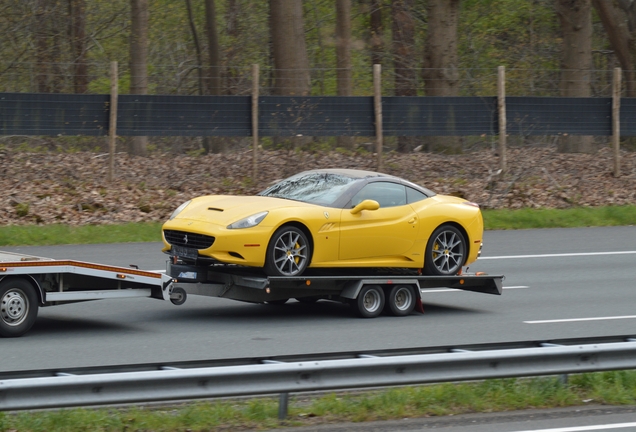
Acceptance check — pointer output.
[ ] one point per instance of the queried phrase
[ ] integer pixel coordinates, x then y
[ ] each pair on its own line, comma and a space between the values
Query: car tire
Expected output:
288, 252
400, 301
446, 252
18, 307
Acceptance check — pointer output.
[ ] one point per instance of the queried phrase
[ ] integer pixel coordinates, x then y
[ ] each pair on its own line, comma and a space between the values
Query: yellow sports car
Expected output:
329, 218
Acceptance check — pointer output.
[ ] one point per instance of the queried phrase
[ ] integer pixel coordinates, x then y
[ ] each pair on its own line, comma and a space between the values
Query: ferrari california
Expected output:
329, 218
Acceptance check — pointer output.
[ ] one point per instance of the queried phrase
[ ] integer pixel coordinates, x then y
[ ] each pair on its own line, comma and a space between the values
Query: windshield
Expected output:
311, 187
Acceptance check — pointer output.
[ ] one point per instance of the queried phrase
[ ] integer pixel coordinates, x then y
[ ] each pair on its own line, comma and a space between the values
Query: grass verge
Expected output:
40, 235
611, 388
561, 218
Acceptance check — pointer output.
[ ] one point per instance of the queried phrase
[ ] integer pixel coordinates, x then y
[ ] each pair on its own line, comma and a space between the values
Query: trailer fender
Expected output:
32, 281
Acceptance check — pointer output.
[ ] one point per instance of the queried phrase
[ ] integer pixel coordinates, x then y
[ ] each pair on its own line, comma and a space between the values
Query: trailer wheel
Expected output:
445, 252
178, 296
400, 300
18, 307
370, 301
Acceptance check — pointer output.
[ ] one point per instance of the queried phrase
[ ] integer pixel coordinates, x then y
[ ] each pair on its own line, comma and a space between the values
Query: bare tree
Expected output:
214, 81
291, 62
441, 63
377, 31
77, 32
619, 21
213, 144
404, 58
139, 63
576, 63
343, 59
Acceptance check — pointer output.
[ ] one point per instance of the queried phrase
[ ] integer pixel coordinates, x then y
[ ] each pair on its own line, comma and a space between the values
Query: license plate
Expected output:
184, 252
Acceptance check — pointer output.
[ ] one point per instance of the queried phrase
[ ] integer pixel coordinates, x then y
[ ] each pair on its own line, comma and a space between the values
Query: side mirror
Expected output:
365, 205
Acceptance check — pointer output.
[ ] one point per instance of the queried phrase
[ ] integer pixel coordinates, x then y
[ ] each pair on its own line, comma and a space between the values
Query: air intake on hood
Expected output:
215, 209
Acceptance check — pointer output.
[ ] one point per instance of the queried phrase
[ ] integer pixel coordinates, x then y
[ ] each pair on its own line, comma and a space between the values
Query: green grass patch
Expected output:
565, 218
616, 388
40, 235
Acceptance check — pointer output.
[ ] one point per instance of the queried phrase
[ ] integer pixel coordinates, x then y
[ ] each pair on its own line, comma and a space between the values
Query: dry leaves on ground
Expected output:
47, 188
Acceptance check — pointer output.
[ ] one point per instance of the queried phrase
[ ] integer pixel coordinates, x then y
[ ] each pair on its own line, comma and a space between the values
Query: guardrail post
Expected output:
283, 404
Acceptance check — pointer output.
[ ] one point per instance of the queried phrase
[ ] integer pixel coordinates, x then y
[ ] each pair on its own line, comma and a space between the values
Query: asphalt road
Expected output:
560, 283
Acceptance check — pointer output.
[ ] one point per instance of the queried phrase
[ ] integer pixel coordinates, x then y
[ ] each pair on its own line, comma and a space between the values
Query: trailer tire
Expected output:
18, 307
178, 296
400, 301
370, 301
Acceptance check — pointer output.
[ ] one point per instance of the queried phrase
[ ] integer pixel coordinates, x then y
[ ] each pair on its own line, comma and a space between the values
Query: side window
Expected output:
385, 193
413, 195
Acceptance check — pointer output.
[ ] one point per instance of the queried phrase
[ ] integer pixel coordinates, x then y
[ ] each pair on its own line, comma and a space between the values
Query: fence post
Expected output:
255, 88
616, 120
501, 109
377, 107
112, 123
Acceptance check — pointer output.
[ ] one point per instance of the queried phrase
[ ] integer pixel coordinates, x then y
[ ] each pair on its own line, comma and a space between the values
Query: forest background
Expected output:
313, 47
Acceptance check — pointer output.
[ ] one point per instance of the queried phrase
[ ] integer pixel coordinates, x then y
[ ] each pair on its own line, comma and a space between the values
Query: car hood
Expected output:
226, 209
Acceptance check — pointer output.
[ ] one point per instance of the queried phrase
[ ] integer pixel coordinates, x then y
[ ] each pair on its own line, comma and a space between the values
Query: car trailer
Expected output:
369, 291
29, 282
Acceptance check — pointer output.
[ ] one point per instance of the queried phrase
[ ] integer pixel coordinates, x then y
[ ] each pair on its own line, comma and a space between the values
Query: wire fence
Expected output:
190, 79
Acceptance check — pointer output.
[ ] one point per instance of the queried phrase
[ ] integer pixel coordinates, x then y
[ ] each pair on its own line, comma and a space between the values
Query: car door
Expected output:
389, 231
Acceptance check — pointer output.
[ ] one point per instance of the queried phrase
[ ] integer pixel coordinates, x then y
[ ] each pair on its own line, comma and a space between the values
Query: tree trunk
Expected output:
576, 64
343, 59
139, 63
77, 31
291, 63
41, 47
403, 59
616, 24
441, 62
213, 144
377, 31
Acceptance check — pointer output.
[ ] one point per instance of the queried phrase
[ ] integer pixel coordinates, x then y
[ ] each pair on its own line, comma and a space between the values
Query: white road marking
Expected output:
438, 290
584, 428
577, 254
581, 319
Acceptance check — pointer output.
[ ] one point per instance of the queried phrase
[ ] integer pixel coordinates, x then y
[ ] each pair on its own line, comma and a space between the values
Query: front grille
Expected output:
188, 239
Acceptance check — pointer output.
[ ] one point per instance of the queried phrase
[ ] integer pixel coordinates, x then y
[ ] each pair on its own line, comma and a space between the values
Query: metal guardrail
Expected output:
272, 376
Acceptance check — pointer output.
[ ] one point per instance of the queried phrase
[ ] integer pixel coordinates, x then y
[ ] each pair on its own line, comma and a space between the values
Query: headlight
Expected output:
249, 221
179, 209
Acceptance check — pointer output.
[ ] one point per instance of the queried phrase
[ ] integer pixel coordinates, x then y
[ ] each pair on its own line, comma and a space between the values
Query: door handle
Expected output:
413, 220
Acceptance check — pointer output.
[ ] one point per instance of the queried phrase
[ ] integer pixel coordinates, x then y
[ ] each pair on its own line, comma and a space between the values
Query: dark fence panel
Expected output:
628, 117
53, 114
439, 116
155, 115
316, 116
558, 115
